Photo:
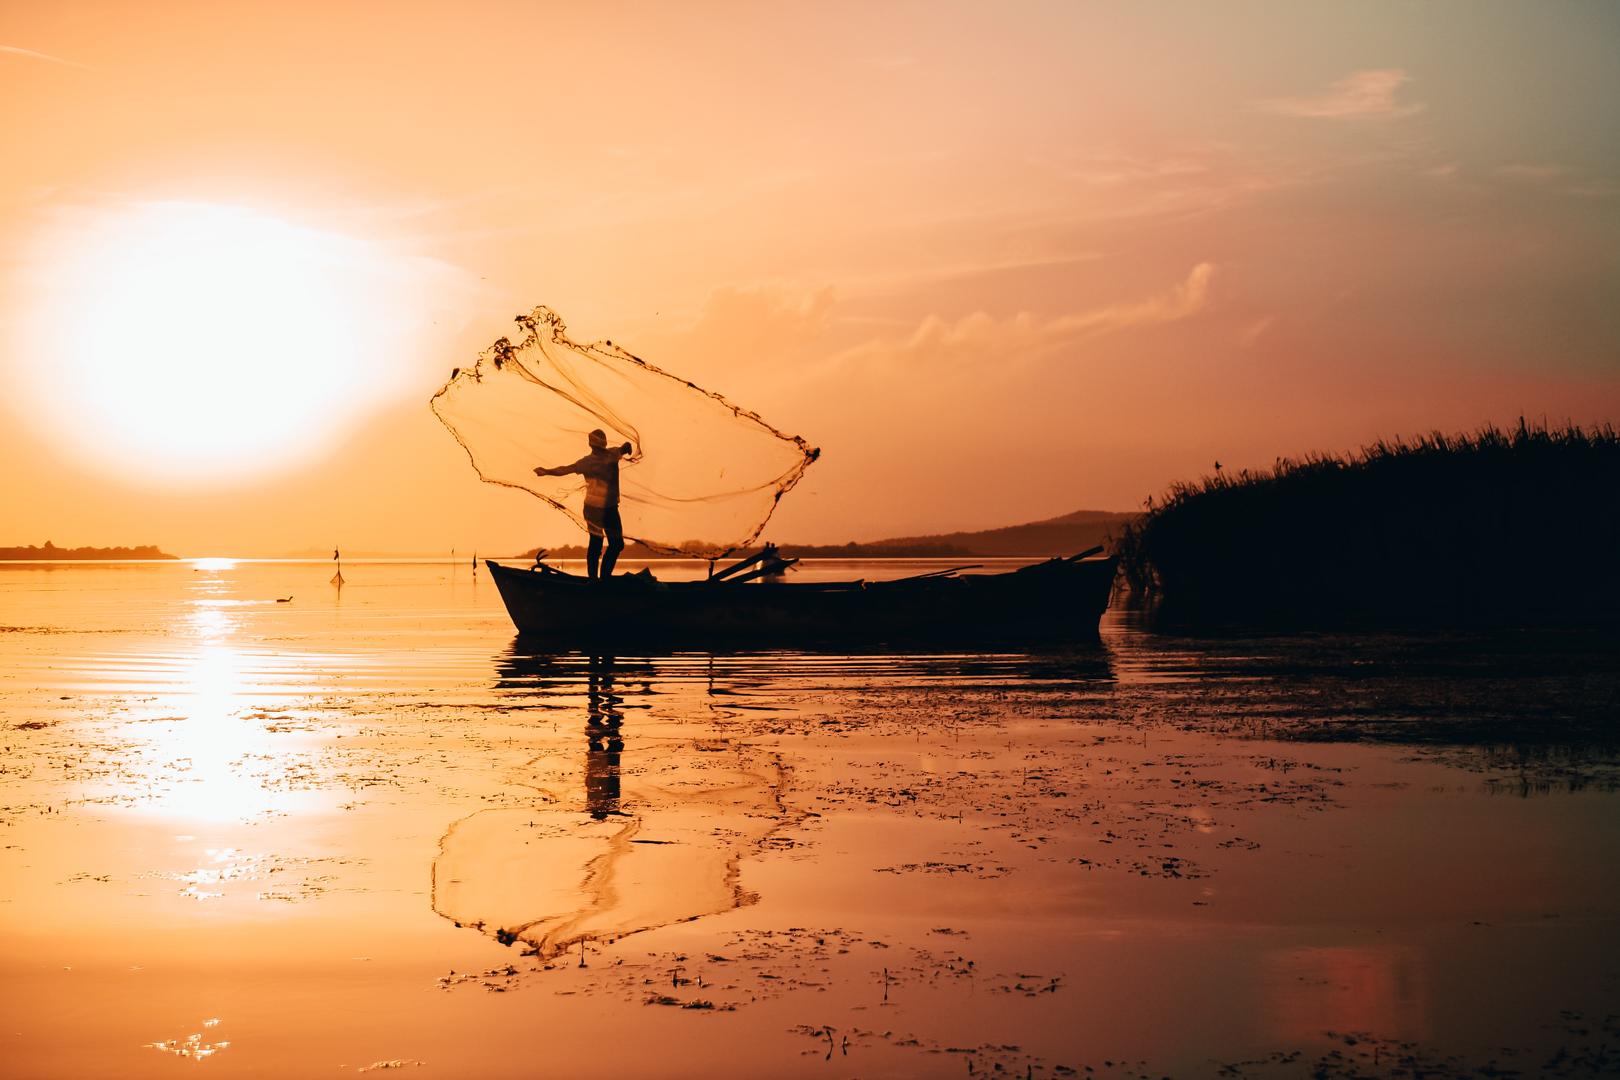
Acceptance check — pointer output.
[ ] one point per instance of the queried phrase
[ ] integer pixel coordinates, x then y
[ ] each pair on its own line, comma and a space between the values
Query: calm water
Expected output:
364, 828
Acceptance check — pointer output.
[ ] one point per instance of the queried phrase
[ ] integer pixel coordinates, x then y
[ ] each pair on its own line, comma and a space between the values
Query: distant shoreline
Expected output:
639, 553
1064, 535
49, 552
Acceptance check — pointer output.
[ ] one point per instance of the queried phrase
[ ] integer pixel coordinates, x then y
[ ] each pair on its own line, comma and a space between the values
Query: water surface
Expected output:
366, 827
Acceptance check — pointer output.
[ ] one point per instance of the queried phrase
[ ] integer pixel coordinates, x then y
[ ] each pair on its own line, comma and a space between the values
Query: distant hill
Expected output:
51, 551
1055, 536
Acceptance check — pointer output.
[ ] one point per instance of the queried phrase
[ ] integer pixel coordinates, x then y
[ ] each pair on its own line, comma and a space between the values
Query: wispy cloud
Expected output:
1186, 299
1367, 94
981, 338
17, 50
1597, 189
1552, 177
1107, 170
913, 277
1255, 330
1534, 174
892, 61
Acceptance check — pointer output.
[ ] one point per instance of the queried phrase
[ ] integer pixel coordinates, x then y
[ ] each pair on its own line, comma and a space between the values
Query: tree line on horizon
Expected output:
49, 551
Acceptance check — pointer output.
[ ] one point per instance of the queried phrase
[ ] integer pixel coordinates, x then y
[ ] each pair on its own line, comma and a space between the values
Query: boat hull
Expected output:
1057, 600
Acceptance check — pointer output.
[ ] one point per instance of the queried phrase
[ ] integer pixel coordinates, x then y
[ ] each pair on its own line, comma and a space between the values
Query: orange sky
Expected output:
999, 261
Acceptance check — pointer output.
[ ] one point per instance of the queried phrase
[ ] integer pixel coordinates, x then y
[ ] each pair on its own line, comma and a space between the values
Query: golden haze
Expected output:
999, 263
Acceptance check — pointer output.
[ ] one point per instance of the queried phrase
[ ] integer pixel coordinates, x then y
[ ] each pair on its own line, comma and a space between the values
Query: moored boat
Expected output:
1055, 600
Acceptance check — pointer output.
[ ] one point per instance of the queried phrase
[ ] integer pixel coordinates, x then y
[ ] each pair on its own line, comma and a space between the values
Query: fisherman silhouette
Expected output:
600, 468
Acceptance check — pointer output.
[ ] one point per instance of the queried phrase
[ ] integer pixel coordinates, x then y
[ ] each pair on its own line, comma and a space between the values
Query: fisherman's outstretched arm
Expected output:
561, 470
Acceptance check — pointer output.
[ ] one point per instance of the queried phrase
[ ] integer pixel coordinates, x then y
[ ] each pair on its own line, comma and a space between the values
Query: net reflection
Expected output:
679, 781
646, 828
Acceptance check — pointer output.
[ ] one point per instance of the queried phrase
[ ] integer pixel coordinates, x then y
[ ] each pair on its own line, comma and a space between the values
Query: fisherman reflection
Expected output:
604, 743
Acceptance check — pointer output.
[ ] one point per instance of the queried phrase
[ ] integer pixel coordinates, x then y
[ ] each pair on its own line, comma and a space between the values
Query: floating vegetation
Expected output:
391, 1063
192, 1046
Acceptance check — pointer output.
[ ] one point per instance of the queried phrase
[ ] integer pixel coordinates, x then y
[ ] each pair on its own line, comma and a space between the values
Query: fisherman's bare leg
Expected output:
593, 554
615, 541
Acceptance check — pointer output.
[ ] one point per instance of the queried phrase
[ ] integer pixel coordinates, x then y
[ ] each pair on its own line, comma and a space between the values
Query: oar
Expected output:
768, 551
930, 574
1086, 554
771, 568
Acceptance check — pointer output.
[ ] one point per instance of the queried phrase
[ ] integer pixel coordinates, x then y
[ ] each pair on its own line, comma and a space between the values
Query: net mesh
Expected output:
703, 475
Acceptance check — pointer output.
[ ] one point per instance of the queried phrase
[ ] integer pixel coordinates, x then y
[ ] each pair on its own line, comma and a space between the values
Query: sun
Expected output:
185, 342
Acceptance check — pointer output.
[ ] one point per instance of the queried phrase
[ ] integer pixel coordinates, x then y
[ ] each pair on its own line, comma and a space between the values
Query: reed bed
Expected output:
1489, 526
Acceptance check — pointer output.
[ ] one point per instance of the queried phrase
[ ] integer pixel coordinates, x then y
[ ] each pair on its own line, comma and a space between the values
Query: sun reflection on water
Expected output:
192, 1046
212, 738
1379, 988
227, 865
210, 742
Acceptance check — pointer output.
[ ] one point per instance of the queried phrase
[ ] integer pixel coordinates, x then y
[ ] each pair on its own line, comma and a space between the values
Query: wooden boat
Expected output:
1056, 600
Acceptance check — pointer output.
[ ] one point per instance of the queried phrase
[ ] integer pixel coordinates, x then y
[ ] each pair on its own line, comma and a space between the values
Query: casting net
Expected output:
702, 477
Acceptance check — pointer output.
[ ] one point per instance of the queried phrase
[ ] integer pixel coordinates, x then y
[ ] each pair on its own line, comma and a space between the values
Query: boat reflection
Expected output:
538, 676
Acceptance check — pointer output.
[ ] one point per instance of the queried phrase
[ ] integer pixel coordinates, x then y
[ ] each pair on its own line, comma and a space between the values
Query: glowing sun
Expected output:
185, 342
